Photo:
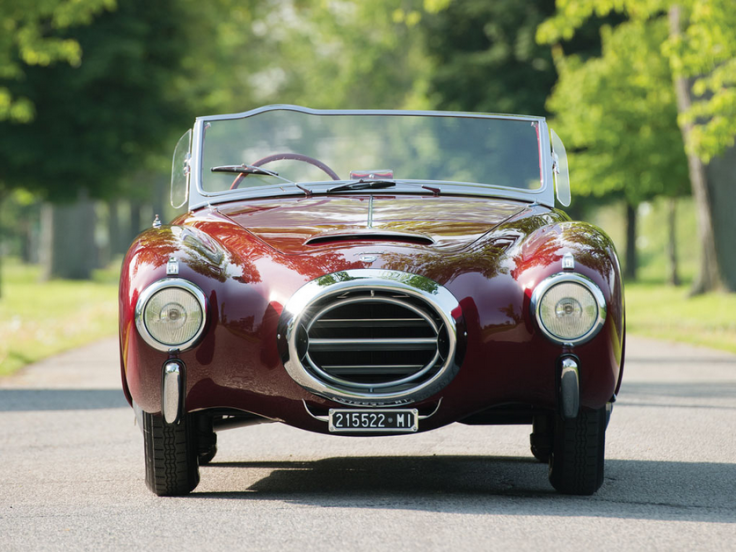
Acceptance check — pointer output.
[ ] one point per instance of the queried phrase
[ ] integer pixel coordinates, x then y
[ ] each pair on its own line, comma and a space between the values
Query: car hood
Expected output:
302, 225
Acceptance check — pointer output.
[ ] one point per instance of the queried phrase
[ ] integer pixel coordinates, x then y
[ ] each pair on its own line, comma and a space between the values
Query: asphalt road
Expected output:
72, 474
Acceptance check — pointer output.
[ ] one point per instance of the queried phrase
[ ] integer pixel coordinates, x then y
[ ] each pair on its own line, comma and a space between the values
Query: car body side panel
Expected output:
247, 281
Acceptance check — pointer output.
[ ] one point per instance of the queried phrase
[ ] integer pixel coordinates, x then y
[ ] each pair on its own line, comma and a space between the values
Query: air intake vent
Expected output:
374, 341
371, 342
371, 236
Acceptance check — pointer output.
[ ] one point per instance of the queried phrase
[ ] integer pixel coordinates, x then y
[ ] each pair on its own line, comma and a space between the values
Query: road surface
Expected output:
72, 476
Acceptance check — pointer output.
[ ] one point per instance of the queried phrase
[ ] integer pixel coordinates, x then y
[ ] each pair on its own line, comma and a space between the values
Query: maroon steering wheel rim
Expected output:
288, 156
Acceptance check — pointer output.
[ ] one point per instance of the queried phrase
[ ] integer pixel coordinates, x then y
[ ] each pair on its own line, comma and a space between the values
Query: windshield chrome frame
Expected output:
198, 197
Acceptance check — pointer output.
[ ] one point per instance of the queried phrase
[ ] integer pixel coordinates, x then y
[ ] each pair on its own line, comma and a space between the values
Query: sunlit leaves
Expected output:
29, 35
705, 51
617, 115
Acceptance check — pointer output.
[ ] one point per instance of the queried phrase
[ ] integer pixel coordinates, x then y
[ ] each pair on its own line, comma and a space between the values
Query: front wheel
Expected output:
578, 453
171, 455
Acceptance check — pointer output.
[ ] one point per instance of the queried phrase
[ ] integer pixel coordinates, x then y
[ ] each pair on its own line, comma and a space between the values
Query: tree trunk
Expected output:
3, 195
135, 222
68, 248
721, 173
25, 239
673, 277
630, 266
709, 275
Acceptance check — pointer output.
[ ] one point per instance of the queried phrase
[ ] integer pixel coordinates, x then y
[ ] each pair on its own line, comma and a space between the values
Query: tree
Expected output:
349, 54
485, 56
104, 118
618, 116
33, 36
701, 51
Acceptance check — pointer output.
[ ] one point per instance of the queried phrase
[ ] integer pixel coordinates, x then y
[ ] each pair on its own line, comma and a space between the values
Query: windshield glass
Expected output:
305, 147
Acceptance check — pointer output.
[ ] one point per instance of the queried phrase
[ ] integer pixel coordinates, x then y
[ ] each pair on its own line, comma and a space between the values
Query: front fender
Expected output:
188, 254
540, 256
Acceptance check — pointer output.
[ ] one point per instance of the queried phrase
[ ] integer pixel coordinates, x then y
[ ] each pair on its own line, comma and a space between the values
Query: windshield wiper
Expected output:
363, 185
252, 169
244, 169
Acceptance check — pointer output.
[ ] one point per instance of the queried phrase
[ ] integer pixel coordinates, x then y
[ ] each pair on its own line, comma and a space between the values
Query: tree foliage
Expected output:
98, 121
33, 35
486, 58
618, 116
705, 52
339, 54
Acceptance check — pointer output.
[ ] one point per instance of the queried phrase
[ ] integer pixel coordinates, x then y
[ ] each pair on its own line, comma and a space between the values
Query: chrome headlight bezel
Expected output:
567, 277
145, 297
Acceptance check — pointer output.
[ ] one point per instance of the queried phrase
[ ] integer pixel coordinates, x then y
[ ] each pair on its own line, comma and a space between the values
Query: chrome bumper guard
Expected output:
172, 391
568, 399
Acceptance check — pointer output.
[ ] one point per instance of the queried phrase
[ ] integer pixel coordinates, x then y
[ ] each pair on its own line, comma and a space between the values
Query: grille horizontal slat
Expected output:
369, 322
368, 369
391, 344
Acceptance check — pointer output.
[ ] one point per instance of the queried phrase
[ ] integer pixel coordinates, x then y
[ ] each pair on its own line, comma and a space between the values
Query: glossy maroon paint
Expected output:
249, 257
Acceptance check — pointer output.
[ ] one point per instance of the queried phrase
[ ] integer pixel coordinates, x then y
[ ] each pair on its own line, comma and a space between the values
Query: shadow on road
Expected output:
30, 400
505, 485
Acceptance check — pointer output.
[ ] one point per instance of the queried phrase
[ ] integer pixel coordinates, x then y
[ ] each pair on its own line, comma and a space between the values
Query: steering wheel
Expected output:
292, 156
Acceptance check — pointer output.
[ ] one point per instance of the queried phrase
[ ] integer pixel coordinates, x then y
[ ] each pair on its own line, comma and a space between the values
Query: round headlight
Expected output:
569, 308
171, 314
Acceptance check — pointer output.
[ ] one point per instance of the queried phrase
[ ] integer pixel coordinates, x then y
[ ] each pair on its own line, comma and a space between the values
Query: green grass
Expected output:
662, 312
656, 310
41, 319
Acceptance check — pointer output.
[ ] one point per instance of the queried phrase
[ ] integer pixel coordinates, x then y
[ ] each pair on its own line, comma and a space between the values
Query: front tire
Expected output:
578, 453
171, 455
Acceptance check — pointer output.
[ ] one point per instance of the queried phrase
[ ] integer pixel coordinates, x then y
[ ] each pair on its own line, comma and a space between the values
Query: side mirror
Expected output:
180, 170
560, 170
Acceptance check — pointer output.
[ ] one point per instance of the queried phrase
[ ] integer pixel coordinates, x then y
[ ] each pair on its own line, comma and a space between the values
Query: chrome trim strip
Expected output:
332, 306
568, 401
373, 386
171, 394
560, 277
568, 262
437, 409
288, 107
442, 301
146, 295
386, 344
315, 416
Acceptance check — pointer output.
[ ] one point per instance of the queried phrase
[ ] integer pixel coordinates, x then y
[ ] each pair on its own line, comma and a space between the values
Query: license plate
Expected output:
374, 421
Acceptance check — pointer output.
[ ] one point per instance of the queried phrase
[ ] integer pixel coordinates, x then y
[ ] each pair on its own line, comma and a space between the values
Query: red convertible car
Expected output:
371, 273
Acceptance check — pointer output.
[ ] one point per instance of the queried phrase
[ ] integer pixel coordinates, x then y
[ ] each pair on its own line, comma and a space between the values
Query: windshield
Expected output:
304, 147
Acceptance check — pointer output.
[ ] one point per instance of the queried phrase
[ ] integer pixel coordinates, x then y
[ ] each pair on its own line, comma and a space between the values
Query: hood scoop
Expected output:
375, 236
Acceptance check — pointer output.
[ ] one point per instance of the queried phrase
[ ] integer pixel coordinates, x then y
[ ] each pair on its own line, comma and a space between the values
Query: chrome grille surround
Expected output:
320, 351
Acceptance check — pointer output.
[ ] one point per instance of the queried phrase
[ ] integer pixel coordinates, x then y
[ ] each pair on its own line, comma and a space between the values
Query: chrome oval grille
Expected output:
371, 337
373, 341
